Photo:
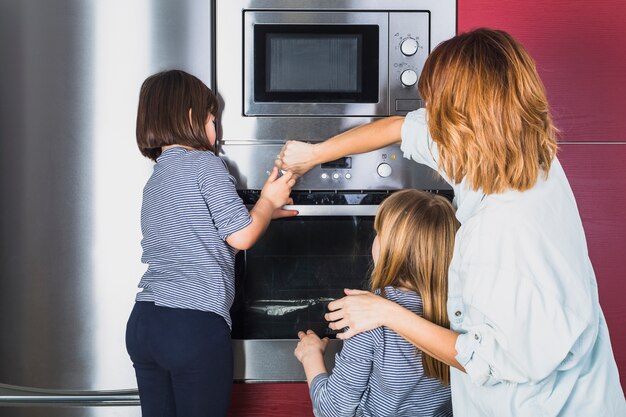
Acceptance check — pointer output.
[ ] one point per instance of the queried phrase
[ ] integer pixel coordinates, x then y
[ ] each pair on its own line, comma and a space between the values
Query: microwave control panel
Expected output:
408, 50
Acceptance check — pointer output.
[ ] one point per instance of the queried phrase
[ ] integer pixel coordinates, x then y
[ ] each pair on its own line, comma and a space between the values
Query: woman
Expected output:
527, 336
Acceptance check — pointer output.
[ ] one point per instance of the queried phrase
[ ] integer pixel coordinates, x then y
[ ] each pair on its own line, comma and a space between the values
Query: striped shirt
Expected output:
378, 373
190, 206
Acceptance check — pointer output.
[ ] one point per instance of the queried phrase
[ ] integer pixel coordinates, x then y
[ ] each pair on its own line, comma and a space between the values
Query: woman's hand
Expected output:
359, 312
310, 346
297, 157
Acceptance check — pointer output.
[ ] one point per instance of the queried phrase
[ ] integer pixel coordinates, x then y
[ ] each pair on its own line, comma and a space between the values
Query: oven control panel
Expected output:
384, 169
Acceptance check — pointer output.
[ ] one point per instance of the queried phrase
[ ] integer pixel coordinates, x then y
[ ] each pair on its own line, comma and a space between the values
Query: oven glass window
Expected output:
316, 63
285, 282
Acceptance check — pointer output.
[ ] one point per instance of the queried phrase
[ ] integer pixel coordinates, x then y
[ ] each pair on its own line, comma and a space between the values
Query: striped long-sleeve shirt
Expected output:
190, 206
378, 373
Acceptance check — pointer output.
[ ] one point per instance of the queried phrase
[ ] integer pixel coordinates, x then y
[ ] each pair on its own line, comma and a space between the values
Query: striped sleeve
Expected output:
339, 394
217, 186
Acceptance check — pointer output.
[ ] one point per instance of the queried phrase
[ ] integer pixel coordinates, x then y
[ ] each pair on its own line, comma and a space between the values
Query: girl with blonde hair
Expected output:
527, 335
378, 373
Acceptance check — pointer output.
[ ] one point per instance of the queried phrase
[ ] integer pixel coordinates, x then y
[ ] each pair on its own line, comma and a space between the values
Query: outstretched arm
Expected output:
274, 195
361, 311
300, 157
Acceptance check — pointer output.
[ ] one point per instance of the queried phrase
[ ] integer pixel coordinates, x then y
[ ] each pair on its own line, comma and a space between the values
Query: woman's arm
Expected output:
300, 157
361, 311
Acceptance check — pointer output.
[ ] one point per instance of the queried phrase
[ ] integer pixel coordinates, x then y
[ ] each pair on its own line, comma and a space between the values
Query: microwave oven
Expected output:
357, 63
311, 69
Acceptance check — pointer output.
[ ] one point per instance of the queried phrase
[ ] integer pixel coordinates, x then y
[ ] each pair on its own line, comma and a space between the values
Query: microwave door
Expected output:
318, 64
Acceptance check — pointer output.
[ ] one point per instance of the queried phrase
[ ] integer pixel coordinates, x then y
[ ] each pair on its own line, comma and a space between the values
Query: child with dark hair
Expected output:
193, 222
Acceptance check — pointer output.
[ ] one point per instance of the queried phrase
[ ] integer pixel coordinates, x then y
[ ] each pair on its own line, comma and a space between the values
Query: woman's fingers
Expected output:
346, 334
336, 304
334, 315
349, 291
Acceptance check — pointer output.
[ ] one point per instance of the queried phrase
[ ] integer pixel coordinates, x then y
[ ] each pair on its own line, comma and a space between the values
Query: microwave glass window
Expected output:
316, 63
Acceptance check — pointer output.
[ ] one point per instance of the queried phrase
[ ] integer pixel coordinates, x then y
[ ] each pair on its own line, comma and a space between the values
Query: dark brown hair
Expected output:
416, 233
163, 115
488, 112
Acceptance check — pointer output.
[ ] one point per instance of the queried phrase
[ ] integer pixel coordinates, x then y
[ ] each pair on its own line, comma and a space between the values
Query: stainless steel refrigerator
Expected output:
71, 180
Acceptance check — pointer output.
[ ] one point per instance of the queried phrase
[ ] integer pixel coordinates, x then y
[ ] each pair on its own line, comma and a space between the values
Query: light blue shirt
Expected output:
523, 296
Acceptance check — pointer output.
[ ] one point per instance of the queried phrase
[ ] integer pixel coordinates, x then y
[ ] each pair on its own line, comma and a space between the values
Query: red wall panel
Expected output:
275, 400
579, 49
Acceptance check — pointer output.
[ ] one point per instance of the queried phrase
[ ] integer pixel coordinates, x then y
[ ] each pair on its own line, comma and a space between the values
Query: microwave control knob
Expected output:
384, 170
409, 46
408, 78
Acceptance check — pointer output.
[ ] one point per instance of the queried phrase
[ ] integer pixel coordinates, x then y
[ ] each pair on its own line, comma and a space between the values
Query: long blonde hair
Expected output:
416, 235
488, 112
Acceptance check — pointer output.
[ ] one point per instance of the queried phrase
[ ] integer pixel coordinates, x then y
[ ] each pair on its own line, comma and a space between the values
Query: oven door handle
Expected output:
334, 210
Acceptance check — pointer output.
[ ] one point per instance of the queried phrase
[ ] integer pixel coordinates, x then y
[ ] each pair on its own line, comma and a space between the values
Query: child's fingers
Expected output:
301, 334
287, 177
273, 175
280, 213
310, 331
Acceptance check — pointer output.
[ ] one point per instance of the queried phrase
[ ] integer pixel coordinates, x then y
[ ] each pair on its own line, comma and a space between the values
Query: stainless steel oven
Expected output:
286, 280
308, 70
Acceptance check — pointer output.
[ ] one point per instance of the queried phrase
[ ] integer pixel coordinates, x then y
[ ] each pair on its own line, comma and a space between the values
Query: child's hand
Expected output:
310, 345
276, 190
281, 212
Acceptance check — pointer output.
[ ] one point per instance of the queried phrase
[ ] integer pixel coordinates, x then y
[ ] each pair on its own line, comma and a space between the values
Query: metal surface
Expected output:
71, 181
273, 360
230, 77
251, 163
252, 133
356, 210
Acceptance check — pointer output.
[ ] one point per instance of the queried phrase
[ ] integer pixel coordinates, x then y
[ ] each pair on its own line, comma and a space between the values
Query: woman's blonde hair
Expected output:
488, 112
416, 236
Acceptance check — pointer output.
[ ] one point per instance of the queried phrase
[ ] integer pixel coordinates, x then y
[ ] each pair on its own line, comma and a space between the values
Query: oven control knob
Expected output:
409, 46
408, 78
348, 176
384, 170
324, 176
335, 176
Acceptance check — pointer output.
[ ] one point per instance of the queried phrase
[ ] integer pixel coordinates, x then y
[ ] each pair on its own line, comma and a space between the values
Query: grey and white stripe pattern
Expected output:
190, 206
378, 373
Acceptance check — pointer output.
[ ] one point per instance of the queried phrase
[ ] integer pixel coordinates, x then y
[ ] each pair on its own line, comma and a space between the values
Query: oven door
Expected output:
315, 63
285, 282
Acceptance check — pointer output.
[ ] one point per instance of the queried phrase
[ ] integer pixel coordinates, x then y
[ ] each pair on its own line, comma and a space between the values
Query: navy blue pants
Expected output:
183, 360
